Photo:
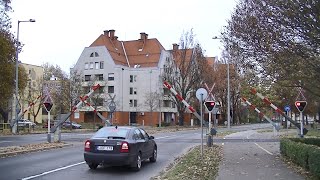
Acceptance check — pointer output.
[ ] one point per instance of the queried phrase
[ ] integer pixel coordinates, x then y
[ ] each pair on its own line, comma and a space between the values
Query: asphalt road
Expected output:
67, 163
257, 158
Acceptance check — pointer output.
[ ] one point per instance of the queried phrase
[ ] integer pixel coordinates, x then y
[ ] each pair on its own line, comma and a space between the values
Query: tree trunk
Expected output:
4, 114
181, 118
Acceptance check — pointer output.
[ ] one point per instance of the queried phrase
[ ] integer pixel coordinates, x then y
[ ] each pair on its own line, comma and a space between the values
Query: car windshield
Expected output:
111, 133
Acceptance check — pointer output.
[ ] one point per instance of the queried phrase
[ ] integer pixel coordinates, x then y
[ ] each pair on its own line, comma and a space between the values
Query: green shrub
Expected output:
304, 154
311, 141
314, 162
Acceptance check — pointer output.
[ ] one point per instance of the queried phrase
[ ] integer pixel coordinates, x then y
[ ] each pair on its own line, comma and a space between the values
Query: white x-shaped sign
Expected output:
210, 95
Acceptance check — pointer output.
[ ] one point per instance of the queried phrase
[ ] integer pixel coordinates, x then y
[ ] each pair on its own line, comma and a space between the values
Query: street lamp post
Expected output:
16, 82
228, 93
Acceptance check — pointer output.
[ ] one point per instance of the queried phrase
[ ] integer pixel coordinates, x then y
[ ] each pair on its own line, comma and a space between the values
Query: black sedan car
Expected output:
120, 146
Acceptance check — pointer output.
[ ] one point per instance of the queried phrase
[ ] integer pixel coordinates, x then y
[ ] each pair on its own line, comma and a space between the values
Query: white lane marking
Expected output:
5, 141
222, 144
263, 149
52, 171
165, 137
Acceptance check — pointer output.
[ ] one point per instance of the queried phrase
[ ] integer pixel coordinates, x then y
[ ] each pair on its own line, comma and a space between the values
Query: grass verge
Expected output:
192, 166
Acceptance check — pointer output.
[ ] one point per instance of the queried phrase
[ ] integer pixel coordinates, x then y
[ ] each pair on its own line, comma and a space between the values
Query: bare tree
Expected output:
75, 87
152, 102
184, 70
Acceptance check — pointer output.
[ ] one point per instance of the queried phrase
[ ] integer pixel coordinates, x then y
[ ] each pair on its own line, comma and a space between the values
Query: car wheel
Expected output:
137, 164
93, 166
154, 155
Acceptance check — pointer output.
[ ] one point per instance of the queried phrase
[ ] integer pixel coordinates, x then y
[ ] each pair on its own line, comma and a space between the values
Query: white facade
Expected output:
131, 83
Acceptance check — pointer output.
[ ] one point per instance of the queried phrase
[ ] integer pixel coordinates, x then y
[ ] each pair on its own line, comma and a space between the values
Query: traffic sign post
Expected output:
210, 107
201, 94
287, 108
301, 105
48, 106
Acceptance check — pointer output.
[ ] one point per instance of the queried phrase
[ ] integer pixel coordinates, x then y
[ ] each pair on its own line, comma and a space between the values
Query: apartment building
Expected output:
32, 93
129, 73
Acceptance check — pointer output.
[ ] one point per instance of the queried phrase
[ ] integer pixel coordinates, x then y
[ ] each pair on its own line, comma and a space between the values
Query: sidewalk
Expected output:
254, 161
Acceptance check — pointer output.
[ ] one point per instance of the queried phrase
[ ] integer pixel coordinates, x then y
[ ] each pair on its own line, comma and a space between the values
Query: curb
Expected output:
16, 152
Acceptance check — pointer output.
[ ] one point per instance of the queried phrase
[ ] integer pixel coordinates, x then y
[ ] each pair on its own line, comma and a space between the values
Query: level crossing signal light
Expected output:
210, 105
48, 105
300, 105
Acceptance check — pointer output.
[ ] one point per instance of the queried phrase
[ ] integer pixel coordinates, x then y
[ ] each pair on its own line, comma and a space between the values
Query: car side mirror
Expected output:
151, 137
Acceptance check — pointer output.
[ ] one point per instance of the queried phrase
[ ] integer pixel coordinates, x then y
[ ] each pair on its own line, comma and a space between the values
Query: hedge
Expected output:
303, 153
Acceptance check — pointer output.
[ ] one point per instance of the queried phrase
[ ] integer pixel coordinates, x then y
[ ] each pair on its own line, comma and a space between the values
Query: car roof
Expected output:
121, 127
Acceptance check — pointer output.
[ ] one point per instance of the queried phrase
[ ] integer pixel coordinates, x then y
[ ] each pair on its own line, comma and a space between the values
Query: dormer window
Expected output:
94, 54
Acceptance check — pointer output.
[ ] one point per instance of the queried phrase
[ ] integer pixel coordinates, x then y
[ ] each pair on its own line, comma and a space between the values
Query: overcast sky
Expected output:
63, 28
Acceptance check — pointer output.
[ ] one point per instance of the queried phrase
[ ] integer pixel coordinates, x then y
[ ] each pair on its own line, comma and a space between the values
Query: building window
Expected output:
99, 102
94, 54
166, 92
110, 76
101, 65
99, 77
101, 90
96, 64
131, 90
133, 78
86, 66
133, 103
91, 65
110, 89
87, 78
173, 105
76, 115
166, 103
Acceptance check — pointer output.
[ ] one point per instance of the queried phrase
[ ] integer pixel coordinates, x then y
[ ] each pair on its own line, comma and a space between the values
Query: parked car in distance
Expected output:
69, 124
23, 123
45, 125
26, 123
120, 146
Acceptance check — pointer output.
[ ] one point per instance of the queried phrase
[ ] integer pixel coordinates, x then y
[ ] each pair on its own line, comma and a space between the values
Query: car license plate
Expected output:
105, 148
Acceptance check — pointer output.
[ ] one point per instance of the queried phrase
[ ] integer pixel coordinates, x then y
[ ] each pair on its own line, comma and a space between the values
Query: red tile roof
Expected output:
145, 52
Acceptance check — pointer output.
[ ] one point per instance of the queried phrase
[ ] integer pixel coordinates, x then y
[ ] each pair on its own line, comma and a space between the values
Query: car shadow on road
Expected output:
116, 170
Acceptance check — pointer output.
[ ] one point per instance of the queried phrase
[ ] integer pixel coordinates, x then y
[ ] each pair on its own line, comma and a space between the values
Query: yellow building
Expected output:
32, 93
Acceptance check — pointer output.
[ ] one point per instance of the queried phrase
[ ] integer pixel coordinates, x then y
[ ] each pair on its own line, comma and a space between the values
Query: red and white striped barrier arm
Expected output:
253, 107
191, 109
29, 106
84, 98
268, 102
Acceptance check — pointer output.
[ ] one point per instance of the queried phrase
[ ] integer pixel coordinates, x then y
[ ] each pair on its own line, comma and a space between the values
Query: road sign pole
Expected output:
201, 100
210, 121
49, 134
301, 124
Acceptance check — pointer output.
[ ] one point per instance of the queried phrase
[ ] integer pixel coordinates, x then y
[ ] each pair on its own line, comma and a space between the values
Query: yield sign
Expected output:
47, 101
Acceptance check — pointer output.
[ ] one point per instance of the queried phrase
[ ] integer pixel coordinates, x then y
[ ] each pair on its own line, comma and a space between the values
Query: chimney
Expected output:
106, 32
175, 46
142, 36
115, 37
111, 33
